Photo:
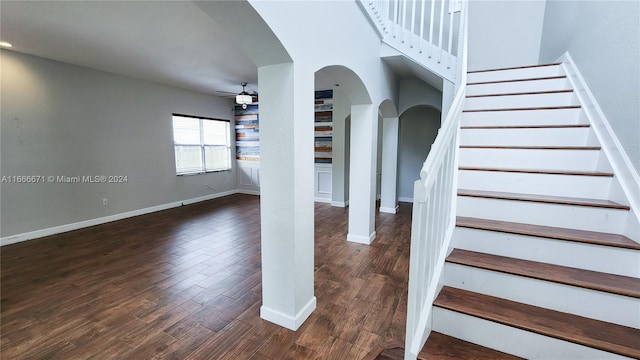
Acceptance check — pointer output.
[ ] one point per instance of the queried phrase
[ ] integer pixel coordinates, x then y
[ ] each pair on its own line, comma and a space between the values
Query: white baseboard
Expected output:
405, 199
287, 321
248, 192
322, 200
340, 203
367, 240
12, 239
389, 210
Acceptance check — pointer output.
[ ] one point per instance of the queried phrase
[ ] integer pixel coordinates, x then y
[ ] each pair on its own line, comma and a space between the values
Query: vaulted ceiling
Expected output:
169, 42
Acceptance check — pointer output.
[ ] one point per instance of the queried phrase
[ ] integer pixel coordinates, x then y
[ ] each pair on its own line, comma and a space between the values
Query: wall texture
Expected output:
603, 38
64, 120
504, 33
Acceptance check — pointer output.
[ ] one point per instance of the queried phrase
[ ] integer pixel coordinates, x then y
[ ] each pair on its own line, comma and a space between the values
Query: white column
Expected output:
339, 168
286, 194
362, 181
388, 193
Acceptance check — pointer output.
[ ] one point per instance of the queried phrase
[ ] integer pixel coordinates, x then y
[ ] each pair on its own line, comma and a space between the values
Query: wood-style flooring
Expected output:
185, 283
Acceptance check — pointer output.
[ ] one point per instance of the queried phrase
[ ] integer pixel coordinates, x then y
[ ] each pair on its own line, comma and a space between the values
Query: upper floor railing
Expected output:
428, 31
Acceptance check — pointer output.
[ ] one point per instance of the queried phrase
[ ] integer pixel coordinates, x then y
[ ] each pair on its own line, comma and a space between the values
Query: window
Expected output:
201, 144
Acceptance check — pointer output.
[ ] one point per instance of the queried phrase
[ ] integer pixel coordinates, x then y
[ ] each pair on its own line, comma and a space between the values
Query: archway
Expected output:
351, 98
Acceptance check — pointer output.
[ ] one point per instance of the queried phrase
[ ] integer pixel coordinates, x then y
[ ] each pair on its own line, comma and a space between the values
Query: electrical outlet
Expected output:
105, 201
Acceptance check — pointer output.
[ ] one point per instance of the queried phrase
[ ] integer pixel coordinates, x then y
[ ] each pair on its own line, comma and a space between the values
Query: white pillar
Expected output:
286, 193
388, 193
362, 180
339, 169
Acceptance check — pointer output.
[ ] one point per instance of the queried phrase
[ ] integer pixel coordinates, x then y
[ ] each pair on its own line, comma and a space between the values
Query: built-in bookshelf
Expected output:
247, 130
323, 126
247, 133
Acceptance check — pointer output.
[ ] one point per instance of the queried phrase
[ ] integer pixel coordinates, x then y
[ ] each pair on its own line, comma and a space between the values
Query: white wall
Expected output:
603, 38
504, 33
60, 119
317, 34
414, 92
418, 129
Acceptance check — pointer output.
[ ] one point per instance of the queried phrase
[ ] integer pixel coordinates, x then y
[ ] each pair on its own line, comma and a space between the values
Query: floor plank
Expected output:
185, 283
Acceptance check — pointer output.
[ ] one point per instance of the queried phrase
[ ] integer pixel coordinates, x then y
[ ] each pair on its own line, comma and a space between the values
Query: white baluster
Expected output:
440, 31
431, 25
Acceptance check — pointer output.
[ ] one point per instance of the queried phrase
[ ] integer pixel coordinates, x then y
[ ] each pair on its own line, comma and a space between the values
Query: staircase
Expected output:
540, 267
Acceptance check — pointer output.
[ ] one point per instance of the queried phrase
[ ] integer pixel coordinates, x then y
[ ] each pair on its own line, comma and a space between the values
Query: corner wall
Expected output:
603, 39
64, 120
504, 33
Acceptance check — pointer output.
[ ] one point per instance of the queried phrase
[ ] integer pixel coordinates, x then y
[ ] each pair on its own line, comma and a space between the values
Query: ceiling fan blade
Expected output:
226, 92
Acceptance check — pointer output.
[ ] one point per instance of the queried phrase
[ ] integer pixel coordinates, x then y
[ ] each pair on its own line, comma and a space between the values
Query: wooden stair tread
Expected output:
567, 126
598, 334
522, 93
610, 283
538, 171
525, 108
530, 147
514, 68
590, 237
542, 199
517, 80
444, 347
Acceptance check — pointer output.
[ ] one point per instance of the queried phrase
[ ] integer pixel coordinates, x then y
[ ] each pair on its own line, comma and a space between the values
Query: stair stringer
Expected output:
627, 176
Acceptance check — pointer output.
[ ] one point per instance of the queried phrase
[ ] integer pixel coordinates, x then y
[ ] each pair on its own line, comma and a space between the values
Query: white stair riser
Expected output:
592, 187
566, 216
519, 86
513, 74
521, 101
617, 309
512, 340
576, 160
527, 137
524, 117
551, 251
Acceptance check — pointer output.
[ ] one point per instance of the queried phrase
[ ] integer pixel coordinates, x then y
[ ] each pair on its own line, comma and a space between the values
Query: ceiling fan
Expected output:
243, 98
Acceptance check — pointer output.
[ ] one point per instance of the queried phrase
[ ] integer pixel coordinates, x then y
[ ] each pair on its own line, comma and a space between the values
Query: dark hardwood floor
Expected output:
185, 283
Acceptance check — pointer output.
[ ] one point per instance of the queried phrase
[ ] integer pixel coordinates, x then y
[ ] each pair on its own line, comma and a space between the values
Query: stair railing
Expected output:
433, 33
432, 226
427, 31
434, 214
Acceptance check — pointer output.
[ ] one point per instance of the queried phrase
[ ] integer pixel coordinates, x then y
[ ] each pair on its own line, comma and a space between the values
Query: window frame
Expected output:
202, 145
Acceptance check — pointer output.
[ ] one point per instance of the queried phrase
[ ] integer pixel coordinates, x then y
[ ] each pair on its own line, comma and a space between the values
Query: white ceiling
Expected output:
168, 42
